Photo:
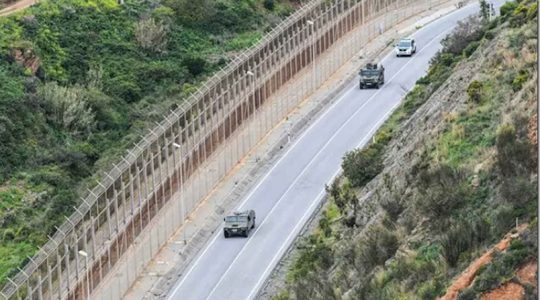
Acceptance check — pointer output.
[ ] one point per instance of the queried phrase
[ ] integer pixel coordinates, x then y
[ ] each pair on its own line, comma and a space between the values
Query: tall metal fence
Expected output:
222, 121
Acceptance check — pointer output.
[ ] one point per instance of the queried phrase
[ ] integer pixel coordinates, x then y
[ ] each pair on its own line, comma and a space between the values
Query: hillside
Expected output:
80, 80
445, 179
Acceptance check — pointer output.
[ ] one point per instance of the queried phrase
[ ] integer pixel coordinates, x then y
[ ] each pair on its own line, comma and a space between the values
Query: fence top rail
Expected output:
105, 181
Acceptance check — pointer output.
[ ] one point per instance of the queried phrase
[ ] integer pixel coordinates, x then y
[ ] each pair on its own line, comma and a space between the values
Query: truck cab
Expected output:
239, 223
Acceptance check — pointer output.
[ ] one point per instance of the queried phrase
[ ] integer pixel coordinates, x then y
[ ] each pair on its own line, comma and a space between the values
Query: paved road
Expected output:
236, 268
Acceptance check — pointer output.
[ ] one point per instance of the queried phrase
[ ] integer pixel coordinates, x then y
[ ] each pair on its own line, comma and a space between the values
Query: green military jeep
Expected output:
372, 75
239, 223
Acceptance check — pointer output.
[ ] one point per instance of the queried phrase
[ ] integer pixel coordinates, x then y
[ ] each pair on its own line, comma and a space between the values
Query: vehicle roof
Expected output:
241, 213
371, 66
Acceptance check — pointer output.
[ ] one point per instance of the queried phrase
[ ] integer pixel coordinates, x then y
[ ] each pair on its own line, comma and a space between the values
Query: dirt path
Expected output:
466, 278
17, 6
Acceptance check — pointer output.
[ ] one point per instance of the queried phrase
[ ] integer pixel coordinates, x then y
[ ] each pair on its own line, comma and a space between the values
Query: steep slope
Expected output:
445, 179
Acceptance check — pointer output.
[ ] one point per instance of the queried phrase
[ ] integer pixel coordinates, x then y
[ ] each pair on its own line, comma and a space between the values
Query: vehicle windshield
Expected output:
404, 44
236, 219
369, 72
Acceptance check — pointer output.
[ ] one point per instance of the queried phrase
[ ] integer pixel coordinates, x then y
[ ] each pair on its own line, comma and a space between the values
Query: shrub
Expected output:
514, 157
502, 220
469, 50
519, 80
393, 207
362, 165
378, 245
507, 8
151, 35
195, 65
314, 254
163, 14
193, 13
456, 241
465, 32
474, 91
432, 289
441, 191
269, 4
519, 190
519, 15
66, 108
533, 11
467, 294
461, 236
502, 267
392, 203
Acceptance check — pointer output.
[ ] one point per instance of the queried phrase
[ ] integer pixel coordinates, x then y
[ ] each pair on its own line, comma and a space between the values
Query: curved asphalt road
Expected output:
236, 268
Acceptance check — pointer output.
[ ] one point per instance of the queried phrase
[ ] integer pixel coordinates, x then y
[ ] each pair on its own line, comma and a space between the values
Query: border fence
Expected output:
224, 119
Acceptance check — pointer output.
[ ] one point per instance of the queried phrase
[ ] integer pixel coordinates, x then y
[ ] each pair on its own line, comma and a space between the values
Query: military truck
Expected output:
239, 223
372, 75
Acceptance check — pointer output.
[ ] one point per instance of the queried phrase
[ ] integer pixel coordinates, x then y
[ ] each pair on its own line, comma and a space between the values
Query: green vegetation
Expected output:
423, 221
81, 80
503, 266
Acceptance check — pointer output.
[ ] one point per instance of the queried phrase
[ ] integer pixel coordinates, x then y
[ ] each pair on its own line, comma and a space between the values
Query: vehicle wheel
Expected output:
253, 225
377, 86
246, 233
361, 87
226, 234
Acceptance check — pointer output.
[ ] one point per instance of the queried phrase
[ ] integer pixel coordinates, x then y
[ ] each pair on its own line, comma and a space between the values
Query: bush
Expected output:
533, 11
392, 203
378, 245
432, 289
195, 65
519, 80
469, 50
502, 220
66, 108
314, 254
466, 31
474, 91
519, 190
151, 35
441, 191
393, 207
269, 4
467, 294
507, 8
461, 236
456, 241
362, 165
519, 15
502, 267
514, 157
